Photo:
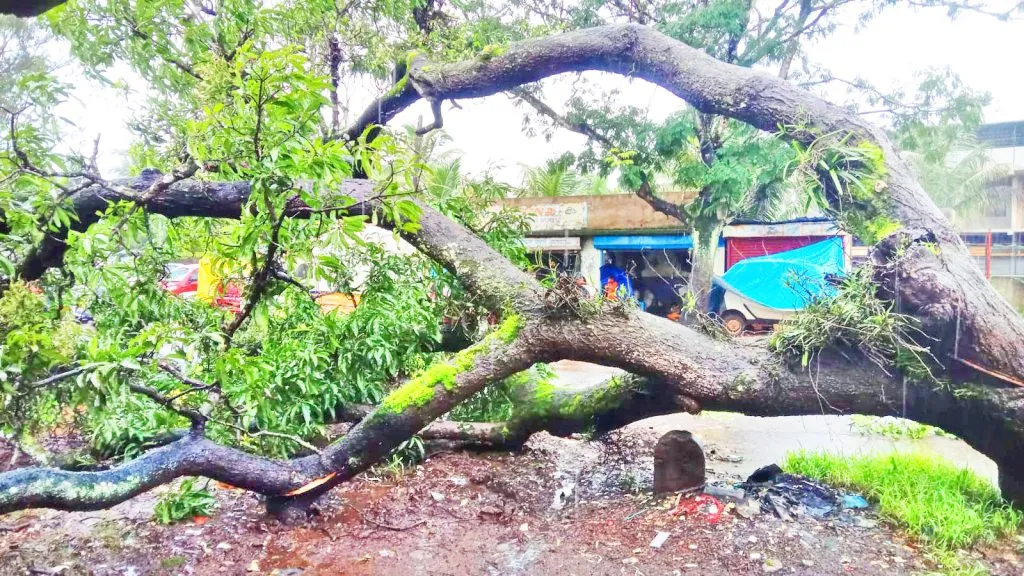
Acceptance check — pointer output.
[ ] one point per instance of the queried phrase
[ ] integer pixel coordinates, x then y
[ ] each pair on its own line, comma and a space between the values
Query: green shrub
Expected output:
186, 502
855, 318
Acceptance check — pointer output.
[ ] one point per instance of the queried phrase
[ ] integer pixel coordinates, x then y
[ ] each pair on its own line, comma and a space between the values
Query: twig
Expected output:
198, 419
59, 377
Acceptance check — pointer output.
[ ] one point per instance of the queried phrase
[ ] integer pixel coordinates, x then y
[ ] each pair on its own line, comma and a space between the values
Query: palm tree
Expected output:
553, 179
959, 177
558, 178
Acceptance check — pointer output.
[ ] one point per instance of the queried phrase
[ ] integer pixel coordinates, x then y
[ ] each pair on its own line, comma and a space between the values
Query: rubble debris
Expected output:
748, 508
659, 539
703, 504
787, 495
725, 492
764, 474
678, 463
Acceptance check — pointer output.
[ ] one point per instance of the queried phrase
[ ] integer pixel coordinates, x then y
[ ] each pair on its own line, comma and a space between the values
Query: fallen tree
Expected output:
933, 277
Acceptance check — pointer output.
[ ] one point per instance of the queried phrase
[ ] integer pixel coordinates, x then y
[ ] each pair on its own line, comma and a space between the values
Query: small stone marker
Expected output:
678, 463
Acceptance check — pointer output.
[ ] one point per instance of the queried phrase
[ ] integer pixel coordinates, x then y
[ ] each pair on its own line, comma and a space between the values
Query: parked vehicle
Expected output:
197, 280
758, 292
182, 279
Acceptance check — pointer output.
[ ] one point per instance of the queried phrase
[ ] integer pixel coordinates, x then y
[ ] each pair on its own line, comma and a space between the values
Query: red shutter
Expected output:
737, 249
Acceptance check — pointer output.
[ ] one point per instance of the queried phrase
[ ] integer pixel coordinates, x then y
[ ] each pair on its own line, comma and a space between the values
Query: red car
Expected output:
182, 279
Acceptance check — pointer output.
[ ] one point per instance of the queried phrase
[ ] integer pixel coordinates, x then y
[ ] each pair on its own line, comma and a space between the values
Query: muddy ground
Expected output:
466, 513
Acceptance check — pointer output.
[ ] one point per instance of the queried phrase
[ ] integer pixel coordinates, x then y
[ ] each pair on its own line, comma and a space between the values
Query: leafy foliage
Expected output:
183, 503
845, 177
939, 142
892, 427
854, 318
559, 178
32, 343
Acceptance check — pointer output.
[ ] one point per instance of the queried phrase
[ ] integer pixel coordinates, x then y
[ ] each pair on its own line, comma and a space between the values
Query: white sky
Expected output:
986, 53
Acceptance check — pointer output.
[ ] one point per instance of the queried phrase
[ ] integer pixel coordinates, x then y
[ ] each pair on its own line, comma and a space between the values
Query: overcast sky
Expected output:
888, 51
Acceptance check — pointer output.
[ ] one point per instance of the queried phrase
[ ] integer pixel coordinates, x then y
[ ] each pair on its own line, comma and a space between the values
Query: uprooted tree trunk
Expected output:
934, 279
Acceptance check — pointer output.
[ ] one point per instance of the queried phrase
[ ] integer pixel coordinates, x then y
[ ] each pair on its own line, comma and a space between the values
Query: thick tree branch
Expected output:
190, 456
645, 193
495, 279
992, 329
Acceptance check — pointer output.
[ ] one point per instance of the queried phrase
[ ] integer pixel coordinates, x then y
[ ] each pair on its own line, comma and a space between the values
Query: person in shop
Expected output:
615, 283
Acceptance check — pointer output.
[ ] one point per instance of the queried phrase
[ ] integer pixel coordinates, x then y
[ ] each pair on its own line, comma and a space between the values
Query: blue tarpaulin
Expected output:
787, 280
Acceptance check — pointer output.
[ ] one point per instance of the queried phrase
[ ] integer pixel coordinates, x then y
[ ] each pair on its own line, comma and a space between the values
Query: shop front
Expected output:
652, 269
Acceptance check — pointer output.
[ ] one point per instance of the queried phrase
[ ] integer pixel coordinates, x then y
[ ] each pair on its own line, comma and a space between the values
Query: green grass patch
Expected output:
895, 428
940, 504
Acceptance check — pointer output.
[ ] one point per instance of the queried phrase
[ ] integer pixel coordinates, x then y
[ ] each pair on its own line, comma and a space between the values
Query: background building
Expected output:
580, 233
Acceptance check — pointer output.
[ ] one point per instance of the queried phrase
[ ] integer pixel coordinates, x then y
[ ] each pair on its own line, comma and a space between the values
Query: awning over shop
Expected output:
636, 243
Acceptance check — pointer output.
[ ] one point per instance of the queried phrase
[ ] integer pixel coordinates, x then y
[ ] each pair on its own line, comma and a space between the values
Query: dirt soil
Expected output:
462, 513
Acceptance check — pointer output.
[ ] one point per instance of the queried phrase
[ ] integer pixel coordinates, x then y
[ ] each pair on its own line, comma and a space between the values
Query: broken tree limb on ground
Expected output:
938, 282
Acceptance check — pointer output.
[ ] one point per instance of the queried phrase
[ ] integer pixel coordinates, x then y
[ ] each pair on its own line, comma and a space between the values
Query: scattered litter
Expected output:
630, 560
866, 522
524, 528
659, 539
764, 474
854, 501
708, 506
724, 492
458, 481
771, 565
223, 546
788, 495
748, 508
437, 496
253, 566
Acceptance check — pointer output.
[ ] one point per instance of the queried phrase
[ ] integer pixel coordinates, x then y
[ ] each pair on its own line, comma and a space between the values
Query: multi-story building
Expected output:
994, 234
